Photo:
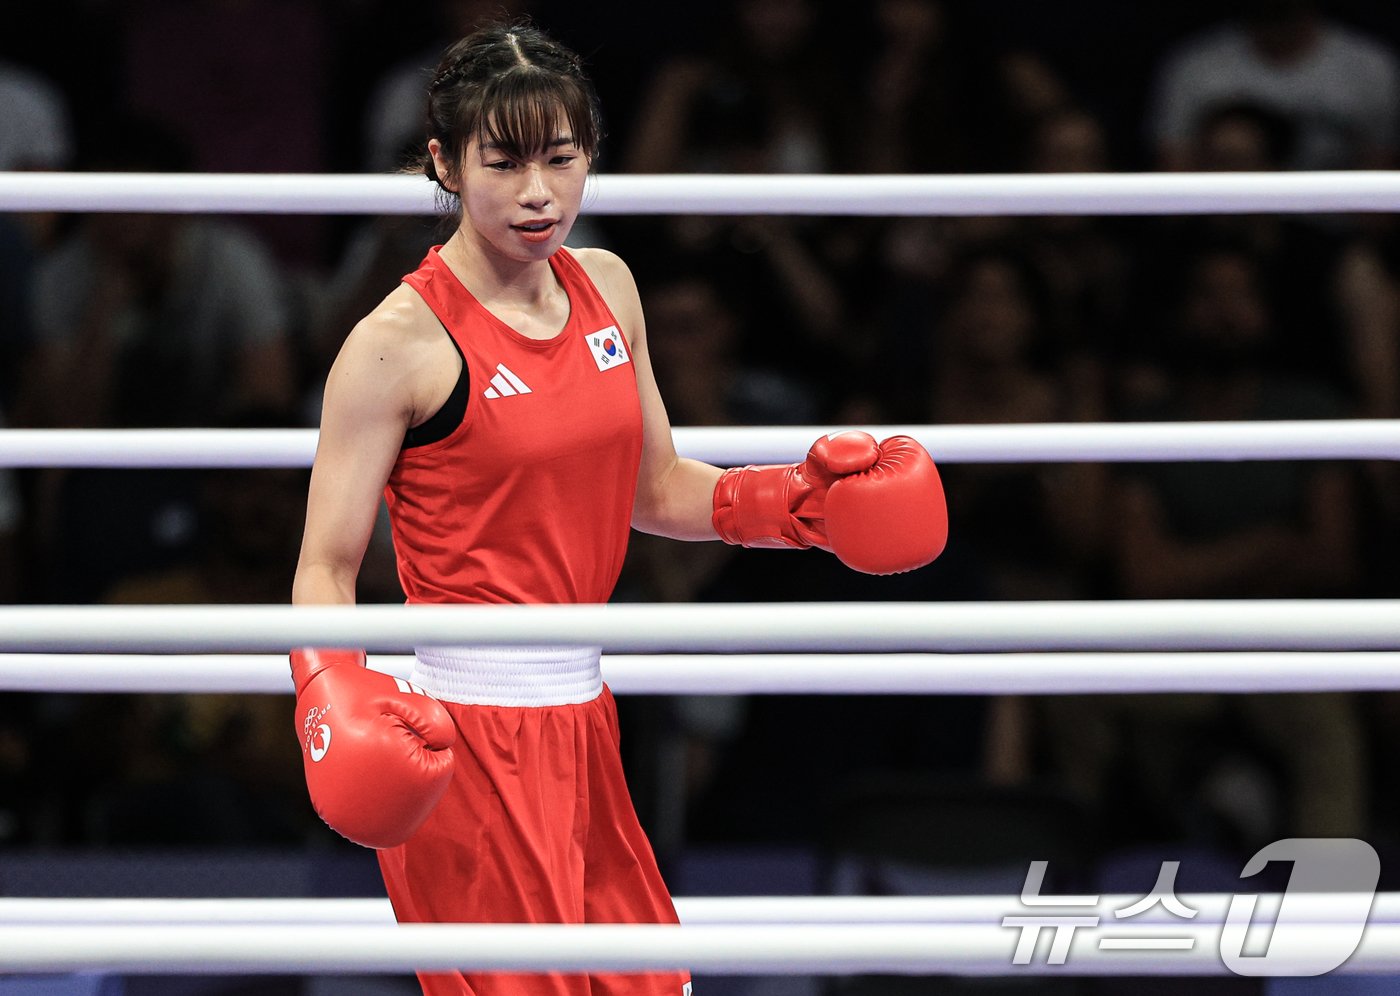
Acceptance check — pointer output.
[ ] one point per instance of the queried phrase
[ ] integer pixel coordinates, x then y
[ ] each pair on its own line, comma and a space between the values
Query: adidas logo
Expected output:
505, 383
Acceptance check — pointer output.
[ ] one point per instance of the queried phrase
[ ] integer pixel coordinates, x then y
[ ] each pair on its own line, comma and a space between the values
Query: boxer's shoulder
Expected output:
614, 280
401, 331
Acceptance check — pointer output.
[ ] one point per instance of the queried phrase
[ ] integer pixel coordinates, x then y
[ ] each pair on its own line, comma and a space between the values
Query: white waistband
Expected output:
510, 676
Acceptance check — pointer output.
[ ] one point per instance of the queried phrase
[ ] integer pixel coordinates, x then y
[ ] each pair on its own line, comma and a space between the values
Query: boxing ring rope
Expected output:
1210, 908
770, 674
884, 627
1325, 439
813, 194
1188, 948
963, 935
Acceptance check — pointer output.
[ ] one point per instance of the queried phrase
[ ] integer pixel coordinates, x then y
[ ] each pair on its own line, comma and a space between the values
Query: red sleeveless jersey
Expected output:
529, 499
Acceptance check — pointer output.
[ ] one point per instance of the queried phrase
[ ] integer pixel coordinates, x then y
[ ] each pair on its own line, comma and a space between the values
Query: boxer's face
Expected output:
520, 180
523, 206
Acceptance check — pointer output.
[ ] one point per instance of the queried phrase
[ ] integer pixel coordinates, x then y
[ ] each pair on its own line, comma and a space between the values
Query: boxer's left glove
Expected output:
375, 749
878, 506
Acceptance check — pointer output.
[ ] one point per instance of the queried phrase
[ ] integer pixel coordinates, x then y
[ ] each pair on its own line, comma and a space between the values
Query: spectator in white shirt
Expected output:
1338, 86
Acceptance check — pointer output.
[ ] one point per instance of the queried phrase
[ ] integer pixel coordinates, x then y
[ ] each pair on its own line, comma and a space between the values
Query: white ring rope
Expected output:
868, 194
720, 949
1339, 439
1210, 908
770, 674
877, 627
1298, 624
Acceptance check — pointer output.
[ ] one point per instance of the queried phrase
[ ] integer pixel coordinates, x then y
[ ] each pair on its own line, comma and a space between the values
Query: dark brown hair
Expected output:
512, 86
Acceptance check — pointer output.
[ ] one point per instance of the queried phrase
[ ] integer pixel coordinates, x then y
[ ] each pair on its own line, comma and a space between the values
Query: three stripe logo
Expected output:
505, 384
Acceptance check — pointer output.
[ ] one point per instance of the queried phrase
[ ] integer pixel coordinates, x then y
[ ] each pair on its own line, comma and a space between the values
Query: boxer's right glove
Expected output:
878, 506
375, 749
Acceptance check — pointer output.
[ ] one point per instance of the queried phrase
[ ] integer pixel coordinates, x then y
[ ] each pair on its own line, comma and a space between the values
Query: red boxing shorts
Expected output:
537, 826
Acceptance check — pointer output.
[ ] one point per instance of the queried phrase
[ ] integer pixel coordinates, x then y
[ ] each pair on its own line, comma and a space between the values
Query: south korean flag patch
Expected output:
607, 348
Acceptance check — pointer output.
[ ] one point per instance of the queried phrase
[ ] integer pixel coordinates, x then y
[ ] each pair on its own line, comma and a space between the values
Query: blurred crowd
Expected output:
111, 321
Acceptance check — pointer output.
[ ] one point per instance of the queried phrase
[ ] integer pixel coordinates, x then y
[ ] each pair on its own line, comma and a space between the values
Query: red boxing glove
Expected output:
891, 517
878, 506
375, 748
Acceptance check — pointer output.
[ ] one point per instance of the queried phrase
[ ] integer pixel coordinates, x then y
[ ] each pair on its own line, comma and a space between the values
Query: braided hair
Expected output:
511, 86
